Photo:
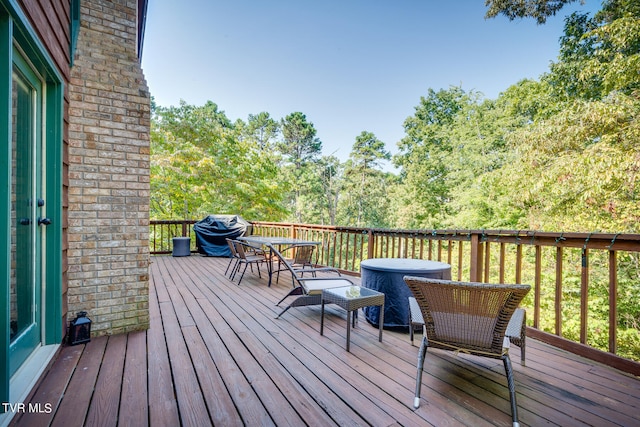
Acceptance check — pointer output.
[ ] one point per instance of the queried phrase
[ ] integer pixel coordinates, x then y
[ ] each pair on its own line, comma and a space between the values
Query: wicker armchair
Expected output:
467, 317
516, 329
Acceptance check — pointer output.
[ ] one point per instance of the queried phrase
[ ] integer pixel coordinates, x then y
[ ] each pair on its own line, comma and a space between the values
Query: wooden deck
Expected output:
216, 355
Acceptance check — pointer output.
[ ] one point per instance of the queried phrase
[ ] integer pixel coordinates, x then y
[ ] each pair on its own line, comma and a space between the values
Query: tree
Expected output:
331, 170
576, 47
540, 10
260, 128
425, 158
299, 143
579, 170
300, 149
616, 60
199, 166
598, 55
364, 196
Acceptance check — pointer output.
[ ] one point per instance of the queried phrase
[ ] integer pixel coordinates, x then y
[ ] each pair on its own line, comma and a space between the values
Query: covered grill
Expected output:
212, 232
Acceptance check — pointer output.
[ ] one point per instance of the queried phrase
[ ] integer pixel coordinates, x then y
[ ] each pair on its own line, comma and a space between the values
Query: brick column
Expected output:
109, 121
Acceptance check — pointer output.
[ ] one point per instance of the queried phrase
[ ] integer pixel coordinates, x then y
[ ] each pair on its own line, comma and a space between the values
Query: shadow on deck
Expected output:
216, 355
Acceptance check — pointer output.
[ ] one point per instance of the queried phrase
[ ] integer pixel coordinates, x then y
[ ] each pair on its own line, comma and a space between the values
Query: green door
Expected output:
27, 213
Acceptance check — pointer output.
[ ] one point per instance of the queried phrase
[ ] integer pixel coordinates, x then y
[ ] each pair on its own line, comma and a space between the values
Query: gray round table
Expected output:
386, 275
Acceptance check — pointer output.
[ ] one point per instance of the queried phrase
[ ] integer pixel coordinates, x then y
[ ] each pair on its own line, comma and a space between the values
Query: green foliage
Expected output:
579, 169
300, 150
423, 158
299, 143
364, 196
538, 9
200, 166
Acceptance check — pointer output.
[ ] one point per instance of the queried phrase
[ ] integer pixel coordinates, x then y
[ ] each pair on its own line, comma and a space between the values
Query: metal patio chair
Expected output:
307, 289
234, 257
301, 258
247, 257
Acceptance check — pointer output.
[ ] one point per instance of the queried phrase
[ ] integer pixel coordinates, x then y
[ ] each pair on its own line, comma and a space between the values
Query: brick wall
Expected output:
109, 119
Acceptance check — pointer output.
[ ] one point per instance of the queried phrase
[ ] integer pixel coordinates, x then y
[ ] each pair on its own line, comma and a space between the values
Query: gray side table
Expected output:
181, 246
351, 298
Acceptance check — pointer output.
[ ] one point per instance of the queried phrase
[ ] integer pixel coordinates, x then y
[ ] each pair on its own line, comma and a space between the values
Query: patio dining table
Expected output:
270, 241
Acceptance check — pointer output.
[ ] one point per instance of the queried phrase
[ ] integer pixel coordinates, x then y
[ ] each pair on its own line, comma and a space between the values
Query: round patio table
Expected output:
386, 275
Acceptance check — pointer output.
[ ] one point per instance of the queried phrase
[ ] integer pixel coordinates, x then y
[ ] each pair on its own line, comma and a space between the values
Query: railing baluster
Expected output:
487, 262
519, 263
502, 261
584, 293
558, 301
613, 298
460, 252
476, 259
537, 286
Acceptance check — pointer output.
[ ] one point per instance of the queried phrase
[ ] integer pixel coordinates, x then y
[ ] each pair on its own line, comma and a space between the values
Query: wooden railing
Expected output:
572, 270
162, 231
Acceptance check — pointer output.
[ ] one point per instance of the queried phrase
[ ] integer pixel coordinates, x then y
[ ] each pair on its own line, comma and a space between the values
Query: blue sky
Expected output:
349, 65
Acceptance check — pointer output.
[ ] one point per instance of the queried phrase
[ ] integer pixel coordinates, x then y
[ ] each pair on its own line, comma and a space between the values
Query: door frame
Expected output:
28, 252
16, 30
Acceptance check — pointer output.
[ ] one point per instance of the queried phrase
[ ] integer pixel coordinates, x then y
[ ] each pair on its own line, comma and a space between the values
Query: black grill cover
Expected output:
212, 231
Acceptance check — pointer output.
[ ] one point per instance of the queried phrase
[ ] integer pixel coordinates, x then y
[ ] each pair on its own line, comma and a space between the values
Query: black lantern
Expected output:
80, 329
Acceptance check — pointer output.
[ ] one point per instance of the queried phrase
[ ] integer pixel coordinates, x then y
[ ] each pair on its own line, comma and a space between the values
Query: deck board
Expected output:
215, 354
133, 404
163, 408
103, 410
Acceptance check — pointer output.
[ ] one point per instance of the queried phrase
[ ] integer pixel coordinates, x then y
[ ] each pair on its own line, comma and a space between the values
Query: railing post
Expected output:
371, 246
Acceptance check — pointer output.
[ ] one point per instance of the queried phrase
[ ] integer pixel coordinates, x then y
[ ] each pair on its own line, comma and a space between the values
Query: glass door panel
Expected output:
25, 287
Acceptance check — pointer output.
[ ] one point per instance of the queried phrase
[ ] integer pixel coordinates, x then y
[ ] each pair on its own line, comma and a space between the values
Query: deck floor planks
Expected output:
163, 408
247, 402
74, 407
213, 344
191, 405
228, 316
368, 373
340, 412
273, 402
313, 319
338, 346
103, 410
134, 408
581, 394
499, 385
219, 401
52, 388
335, 330
601, 381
